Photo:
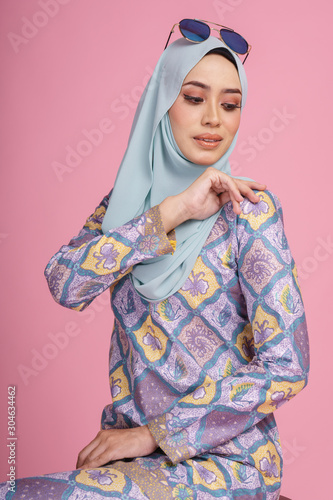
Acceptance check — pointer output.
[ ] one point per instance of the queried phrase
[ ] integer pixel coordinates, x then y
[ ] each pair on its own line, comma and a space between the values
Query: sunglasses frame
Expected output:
211, 29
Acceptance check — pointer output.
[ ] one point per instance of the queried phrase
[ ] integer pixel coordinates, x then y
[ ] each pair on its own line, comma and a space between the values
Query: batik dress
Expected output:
205, 368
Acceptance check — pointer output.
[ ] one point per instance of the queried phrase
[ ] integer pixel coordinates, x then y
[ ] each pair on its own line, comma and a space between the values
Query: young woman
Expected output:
209, 335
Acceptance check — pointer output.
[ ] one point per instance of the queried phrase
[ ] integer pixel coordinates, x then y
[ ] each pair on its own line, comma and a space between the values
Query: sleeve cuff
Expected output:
154, 227
175, 446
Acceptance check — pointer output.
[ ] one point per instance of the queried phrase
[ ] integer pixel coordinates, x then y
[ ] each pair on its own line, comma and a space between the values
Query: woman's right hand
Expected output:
205, 196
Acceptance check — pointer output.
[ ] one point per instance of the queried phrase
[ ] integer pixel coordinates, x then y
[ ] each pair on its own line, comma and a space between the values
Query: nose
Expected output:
211, 114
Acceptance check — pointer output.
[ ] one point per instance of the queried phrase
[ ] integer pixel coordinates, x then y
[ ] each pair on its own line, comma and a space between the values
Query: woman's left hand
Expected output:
116, 444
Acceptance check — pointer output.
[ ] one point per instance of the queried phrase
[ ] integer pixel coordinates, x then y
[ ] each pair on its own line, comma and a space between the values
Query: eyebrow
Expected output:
207, 87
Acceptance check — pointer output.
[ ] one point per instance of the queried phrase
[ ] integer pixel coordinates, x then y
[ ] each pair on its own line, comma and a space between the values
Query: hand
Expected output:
116, 444
246, 189
205, 196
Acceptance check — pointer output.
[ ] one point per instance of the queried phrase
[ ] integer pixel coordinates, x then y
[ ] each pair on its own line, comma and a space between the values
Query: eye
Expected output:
193, 99
228, 106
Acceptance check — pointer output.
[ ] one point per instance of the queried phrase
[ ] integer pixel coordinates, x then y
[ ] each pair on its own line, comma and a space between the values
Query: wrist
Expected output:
173, 212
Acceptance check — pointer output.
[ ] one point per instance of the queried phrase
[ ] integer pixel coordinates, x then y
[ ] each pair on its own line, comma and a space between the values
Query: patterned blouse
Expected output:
205, 368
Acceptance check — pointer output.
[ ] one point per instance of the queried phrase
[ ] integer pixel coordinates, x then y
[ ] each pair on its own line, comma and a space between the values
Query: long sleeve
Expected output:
217, 411
93, 261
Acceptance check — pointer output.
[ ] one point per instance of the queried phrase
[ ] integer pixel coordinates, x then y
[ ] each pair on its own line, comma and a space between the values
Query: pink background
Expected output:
84, 67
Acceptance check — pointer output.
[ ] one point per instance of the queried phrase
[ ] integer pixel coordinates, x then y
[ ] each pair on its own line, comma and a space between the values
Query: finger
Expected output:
246, 188
235, 204
253, 184
86, 451
97, 457
224, 198
228, 184
248, 193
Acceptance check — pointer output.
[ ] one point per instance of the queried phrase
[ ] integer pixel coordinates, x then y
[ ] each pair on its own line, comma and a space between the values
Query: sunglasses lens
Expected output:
235, 41
194, 30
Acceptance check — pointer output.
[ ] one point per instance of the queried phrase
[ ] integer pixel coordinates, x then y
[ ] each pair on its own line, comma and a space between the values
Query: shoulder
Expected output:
267, 211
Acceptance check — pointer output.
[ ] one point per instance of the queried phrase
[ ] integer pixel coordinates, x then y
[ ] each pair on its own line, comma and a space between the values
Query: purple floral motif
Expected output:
115, 389
279, 397
200, 340
268, 466
208, 476
102, 477
149, 244
220, 227
259, 266
256, 208
262, 332
248, 347
198, 285
152, 341
199, 393
108, 254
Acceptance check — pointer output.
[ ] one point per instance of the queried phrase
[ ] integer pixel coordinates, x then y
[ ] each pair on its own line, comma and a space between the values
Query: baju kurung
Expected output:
205, 368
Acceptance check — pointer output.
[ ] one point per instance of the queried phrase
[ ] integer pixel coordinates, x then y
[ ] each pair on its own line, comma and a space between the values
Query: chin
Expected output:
208, 161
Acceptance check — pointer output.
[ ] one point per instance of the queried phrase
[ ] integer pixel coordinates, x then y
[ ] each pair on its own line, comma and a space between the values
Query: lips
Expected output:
208, 141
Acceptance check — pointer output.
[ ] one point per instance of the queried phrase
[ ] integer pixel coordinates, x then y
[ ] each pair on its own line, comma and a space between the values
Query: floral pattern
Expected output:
148, 244
108, 254
195, 284
196, 375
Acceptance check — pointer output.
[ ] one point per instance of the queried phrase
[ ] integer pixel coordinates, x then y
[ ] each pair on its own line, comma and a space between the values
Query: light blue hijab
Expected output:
153, 168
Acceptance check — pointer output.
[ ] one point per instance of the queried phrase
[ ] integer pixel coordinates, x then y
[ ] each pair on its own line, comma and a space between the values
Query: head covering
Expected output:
154, 168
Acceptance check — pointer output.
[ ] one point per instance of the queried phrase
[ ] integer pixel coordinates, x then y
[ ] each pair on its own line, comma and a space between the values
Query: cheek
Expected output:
232, 122
181, 115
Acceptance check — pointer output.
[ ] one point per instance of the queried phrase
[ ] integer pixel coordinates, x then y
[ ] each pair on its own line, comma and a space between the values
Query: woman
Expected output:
209, 335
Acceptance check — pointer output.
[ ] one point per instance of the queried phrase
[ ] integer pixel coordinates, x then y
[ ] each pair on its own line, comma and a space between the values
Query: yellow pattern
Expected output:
239, 388
203, 395
263, 321
256, 221
271, 467
226, 257
245, 337
235, 466
119, 380
203, 285
91, 223
285, 294
92, 263
152, 340
117, 479
211, 467
228, 368
290, 389
295, 274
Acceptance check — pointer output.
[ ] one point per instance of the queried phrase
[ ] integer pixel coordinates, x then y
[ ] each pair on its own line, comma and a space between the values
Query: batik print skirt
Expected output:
154, 478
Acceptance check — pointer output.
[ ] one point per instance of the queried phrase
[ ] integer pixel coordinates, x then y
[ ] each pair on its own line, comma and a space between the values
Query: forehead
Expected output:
214, 69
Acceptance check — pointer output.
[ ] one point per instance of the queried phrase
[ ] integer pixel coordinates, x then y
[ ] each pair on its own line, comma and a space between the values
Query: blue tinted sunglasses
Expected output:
197, 31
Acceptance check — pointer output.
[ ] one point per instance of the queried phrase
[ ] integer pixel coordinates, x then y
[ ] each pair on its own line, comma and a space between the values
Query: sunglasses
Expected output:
197, 31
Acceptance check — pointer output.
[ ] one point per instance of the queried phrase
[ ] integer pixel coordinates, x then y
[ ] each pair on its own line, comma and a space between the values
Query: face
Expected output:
206, 115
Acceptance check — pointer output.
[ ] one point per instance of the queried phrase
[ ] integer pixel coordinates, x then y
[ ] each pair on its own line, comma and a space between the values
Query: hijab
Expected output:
154, 168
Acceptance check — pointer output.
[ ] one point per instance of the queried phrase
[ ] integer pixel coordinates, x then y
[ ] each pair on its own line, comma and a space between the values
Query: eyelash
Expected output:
228, 106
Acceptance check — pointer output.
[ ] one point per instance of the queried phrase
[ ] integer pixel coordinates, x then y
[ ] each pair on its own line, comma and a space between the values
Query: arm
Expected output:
93, 261
217, 411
